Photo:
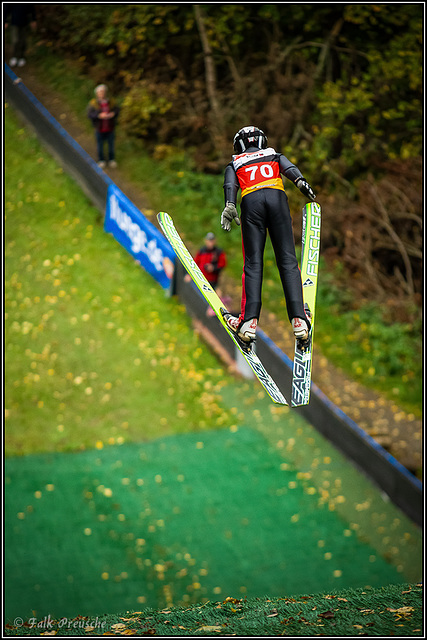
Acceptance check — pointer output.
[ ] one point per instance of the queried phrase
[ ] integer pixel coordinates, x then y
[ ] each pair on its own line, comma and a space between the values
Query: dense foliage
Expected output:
337, 88
339, 83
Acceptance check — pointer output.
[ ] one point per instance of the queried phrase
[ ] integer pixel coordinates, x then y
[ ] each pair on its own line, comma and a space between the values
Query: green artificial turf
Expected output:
172, 521
395, 610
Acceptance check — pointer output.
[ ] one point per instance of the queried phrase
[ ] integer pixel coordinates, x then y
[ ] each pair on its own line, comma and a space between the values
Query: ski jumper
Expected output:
264, 207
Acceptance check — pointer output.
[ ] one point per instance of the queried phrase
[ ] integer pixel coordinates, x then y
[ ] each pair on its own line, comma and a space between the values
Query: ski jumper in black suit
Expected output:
264, 207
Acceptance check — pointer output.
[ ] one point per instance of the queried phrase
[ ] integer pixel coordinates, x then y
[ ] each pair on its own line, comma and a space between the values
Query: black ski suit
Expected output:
264, 206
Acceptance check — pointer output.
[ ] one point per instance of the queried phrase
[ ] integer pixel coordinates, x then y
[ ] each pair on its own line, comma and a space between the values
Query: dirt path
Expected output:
396, 430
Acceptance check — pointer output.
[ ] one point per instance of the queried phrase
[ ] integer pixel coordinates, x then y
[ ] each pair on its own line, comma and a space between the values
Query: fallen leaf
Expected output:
208, 628
128, 619
232, 600
327, 614
402, 610
273, 614
119, 626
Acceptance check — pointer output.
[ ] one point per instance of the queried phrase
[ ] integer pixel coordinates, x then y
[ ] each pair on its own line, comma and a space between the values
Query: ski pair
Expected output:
302, 362
212, 298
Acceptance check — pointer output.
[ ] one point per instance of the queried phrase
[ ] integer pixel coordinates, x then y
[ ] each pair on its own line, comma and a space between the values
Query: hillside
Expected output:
305, 497
394, 427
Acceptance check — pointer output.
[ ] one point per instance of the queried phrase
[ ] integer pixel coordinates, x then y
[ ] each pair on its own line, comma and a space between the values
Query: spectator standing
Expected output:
211, 260
103, 112
19, 17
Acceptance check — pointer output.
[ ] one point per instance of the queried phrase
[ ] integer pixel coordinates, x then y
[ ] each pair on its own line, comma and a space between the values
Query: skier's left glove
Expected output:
305, 188
227, 216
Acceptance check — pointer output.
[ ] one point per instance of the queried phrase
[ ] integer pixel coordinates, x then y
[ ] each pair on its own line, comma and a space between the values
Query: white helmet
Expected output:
249, 137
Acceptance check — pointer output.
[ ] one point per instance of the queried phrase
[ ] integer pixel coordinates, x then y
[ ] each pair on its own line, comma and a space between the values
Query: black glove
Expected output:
305, 188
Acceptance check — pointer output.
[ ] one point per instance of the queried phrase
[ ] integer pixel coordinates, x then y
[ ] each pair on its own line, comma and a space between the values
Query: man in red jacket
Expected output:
257, 169
211, 260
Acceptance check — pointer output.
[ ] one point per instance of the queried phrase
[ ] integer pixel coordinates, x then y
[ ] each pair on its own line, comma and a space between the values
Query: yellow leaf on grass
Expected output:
128, 619
402, 610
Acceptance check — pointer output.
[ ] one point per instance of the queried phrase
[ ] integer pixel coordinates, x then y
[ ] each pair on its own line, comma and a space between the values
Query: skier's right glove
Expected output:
305, 188
227, 216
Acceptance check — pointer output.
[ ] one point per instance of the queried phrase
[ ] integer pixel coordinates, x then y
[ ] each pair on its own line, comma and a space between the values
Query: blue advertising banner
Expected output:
139, 236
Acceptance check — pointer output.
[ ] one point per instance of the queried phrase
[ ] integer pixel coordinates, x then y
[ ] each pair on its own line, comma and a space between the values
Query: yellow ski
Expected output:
301, 376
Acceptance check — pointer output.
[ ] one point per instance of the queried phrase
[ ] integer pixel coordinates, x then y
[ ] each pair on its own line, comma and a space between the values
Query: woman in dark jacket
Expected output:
103, 112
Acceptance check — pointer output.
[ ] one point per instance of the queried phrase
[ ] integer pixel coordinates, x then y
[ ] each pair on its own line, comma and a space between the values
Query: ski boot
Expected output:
245, 332
302, 331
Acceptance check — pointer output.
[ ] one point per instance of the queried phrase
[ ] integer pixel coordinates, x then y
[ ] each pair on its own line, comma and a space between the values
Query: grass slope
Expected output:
86, 328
